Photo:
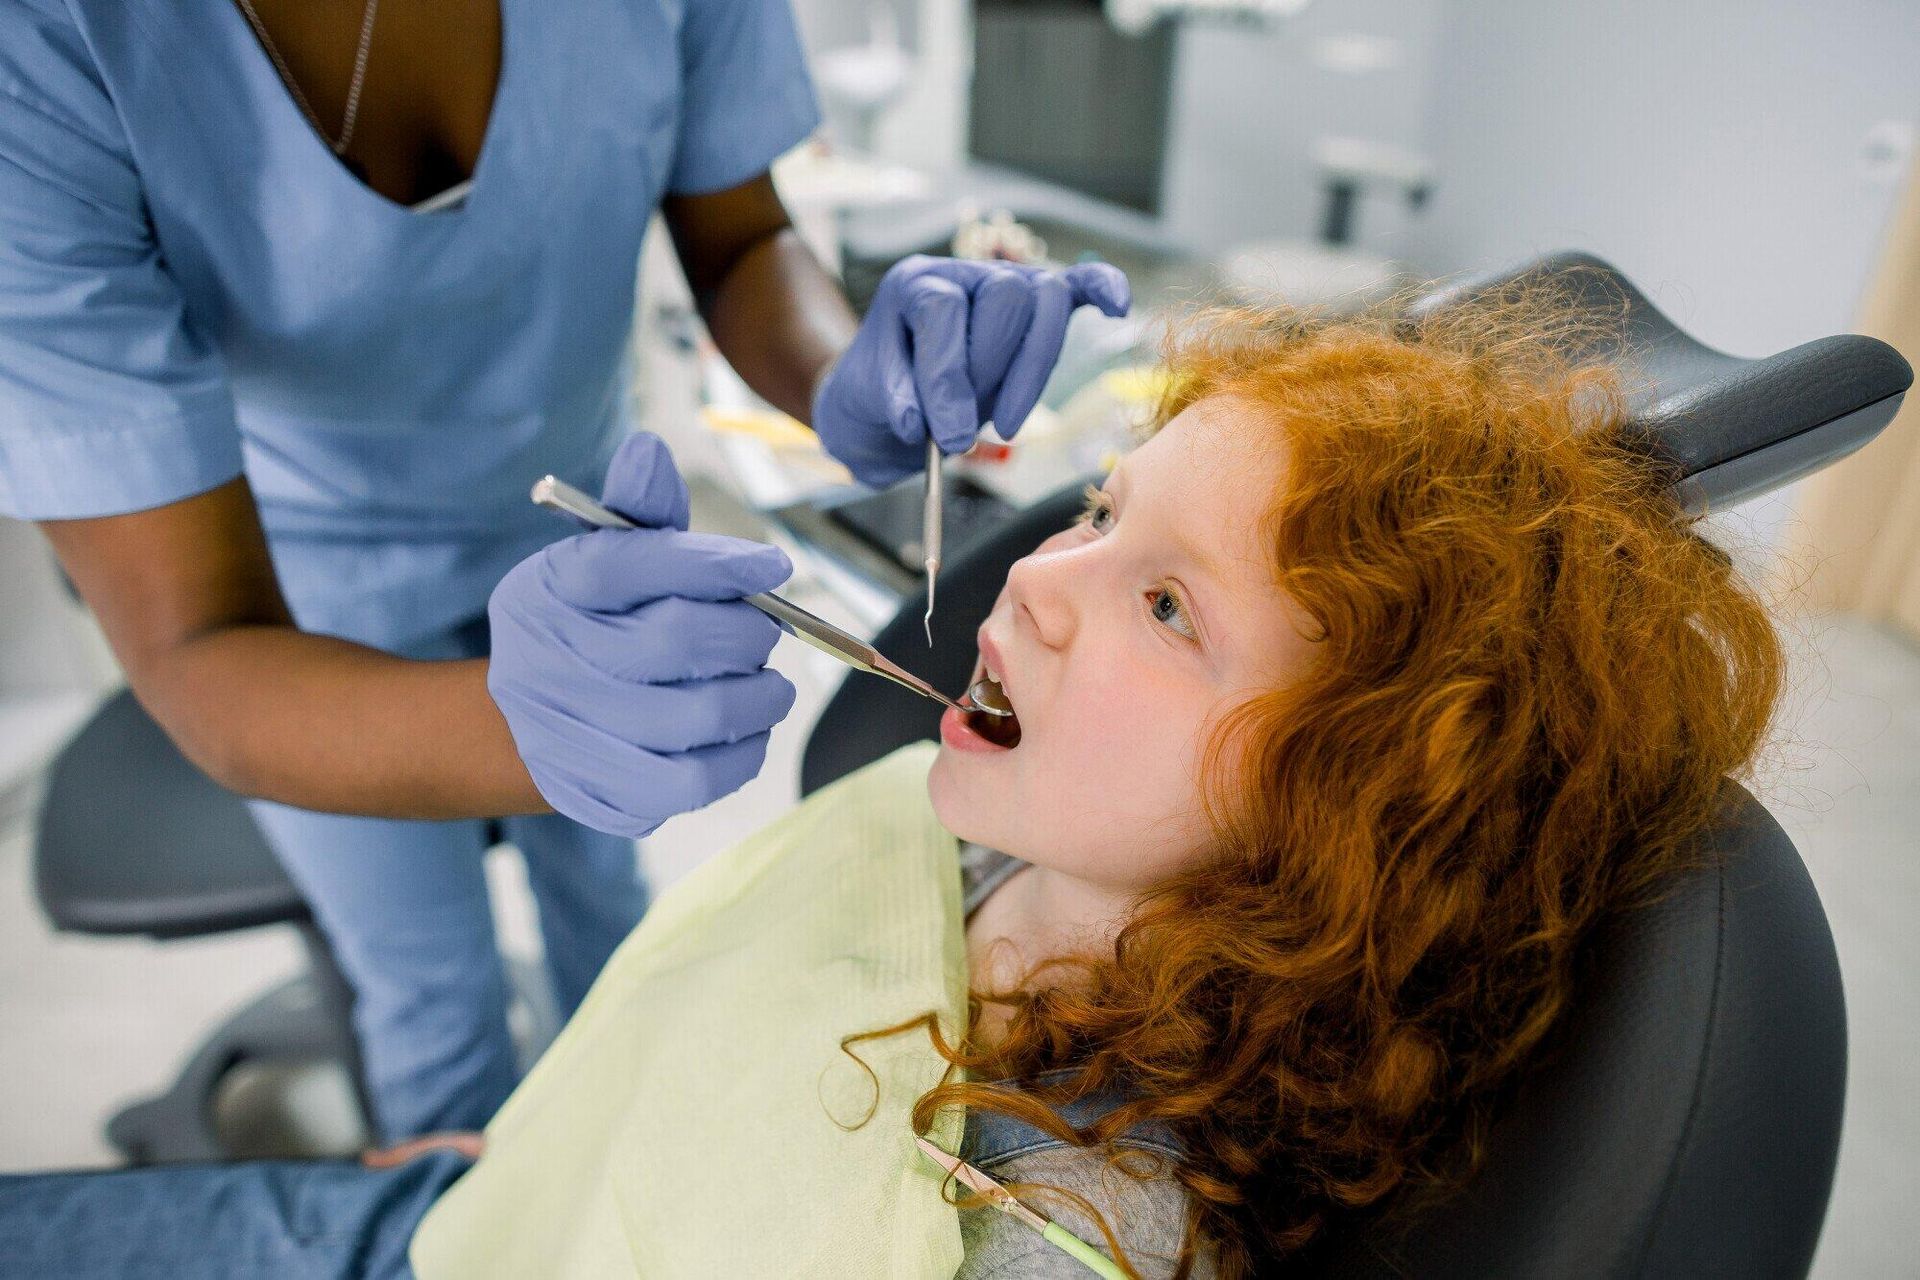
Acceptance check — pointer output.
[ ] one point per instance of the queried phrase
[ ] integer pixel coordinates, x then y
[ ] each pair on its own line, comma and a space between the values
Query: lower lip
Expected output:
954, 733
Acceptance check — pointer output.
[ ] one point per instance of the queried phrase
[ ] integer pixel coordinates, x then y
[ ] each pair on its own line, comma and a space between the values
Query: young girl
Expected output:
1384, 669
1378, 674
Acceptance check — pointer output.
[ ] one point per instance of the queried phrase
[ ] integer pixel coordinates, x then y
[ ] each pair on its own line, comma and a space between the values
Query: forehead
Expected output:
1212, 473
1206, 484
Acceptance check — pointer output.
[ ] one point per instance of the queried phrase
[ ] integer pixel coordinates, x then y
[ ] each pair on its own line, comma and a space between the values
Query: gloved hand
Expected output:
632, 675
947, 345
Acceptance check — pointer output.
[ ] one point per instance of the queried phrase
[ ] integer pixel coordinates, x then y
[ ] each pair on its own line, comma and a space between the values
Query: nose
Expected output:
1046, 586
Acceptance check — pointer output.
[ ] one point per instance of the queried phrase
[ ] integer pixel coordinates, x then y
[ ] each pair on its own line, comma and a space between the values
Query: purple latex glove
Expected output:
631, 673
947, 345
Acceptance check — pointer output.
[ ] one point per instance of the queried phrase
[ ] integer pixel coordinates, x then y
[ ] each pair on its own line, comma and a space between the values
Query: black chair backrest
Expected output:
1737, 427
1687, 1122
134, 839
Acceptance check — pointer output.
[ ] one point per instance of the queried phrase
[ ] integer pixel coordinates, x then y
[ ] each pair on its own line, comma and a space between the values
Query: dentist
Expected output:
295, 301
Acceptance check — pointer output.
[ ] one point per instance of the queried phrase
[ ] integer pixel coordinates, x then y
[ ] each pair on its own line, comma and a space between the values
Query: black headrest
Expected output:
1736, 427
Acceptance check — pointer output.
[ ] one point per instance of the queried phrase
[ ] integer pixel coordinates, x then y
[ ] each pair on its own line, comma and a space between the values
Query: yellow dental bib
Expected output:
683, 1124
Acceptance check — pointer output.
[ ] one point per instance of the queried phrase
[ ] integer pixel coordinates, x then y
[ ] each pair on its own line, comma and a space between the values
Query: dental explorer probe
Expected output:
557, 495
931, 521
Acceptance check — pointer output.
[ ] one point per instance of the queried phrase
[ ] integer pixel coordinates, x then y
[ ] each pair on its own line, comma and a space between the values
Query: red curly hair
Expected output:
1532, 677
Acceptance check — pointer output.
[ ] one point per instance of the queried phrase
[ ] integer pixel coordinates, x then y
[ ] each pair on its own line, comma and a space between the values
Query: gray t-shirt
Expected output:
1150, 1216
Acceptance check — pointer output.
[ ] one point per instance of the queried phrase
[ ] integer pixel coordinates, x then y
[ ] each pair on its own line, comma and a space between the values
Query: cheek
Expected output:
1108, 727
1121, 789
1105, 787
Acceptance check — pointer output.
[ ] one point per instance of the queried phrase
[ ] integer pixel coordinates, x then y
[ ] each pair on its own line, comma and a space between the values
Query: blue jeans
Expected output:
405, 907
292, 1220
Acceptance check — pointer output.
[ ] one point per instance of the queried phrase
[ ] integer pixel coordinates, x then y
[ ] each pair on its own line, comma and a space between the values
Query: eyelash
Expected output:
1093, 502
1098, 504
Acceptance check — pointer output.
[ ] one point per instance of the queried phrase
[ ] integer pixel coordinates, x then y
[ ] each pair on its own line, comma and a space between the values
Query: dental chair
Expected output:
1686, 1121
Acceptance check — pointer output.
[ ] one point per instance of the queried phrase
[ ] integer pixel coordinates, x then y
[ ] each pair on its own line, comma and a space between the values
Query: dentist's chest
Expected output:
274, 238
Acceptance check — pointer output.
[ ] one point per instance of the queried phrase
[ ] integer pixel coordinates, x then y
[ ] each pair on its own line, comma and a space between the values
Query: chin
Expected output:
963, 813
942, 791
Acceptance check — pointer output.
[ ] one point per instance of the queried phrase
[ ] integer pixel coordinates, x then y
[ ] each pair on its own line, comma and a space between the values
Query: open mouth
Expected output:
1000, 730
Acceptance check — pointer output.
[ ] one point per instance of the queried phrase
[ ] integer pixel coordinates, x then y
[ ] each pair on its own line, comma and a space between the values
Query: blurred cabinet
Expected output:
1059, 94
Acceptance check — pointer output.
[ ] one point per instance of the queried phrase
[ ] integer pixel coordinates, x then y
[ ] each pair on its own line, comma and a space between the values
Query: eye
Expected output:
1098, 513
1163, 603
1168, 611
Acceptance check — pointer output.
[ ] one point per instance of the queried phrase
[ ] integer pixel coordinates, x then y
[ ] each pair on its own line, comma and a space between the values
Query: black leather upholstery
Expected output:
1687, 1121
1737, 427
134, 839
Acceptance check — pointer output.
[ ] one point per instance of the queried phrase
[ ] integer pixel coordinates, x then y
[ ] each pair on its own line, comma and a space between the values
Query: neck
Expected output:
1039, 915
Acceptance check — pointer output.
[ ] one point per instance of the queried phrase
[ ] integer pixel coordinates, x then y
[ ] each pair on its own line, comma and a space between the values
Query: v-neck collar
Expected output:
258, 65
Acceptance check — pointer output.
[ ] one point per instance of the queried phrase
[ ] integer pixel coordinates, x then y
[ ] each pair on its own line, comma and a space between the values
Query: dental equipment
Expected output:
1003, 1200
557, 495
931, 520
988, 696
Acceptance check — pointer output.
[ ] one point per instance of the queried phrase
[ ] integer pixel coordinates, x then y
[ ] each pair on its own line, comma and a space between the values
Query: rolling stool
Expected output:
133, 839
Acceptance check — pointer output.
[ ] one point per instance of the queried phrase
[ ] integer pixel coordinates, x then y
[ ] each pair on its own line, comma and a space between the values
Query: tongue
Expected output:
1001, 731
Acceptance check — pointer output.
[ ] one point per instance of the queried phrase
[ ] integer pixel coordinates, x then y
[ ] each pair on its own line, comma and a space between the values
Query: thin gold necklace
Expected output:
353, 89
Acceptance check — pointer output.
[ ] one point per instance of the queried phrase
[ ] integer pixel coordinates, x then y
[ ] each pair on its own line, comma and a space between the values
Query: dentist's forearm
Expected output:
781, 321
774, 312
187, 596
325, 724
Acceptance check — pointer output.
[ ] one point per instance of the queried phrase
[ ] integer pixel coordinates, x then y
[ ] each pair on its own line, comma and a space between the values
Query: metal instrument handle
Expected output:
556, 494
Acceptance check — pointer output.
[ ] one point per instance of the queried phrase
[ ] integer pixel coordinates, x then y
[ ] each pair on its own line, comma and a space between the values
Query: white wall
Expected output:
1247, 104
928, 125
1711, 148
1708, 148
53, 663
1714, 150
47, 644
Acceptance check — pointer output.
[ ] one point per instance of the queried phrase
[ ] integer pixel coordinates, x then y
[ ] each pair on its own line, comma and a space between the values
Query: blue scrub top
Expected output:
192, 284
